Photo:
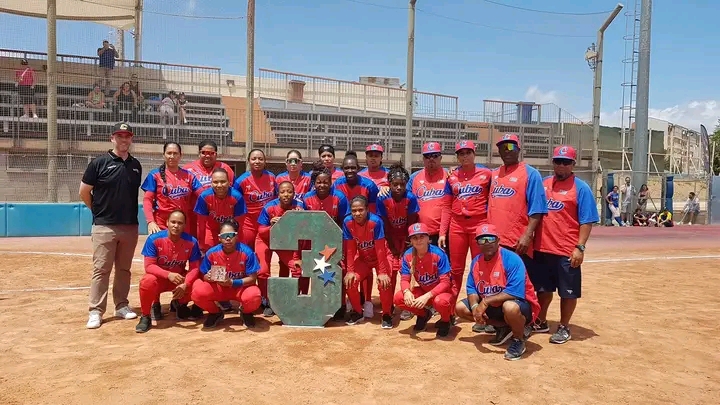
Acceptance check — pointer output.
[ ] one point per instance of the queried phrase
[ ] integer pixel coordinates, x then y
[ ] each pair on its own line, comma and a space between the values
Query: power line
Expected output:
197, 17
545, 11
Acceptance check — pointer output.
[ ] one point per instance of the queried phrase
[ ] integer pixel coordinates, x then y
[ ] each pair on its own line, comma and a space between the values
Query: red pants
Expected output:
248, 231
286, 257
399, 242
444, 303
461, 238
205, 294
364, 270
151, 287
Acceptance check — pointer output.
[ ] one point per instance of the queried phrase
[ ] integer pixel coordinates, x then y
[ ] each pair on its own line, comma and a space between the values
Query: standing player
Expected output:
375, 171
240, 266
326, 153
425, 282
323, 197
560, 242
258, 187
295, 175
499, 292
217, 205
167, 253
270, 214
168, 188
467, 186
366, 249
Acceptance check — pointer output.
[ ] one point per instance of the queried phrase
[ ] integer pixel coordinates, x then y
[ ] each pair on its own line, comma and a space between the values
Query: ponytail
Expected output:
413, 265
163, 177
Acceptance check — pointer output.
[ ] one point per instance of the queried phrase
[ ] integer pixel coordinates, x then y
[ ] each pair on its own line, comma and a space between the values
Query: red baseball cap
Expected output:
464, 145
431, 147
486, 230
374, 148
418, 229
565, 152
513, 138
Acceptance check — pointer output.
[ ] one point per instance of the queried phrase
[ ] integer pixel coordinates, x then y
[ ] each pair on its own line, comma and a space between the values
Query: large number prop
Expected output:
320, 264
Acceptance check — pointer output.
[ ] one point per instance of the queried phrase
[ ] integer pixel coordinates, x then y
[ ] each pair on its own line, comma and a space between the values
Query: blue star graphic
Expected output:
327, 277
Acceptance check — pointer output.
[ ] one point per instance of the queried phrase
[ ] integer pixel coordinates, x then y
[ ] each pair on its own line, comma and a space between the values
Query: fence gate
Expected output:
715, 200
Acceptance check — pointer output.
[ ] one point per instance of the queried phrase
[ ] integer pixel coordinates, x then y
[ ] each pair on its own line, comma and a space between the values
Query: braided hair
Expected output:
231, 223
318, 169
360, 198
397, 171
162, 167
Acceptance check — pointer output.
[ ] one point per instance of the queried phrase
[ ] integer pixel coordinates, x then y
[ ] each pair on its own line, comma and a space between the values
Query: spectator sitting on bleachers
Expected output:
691, 209
107, 55
135, 86
25, 83
639, 218
125, 99
167, 109
96, 98
652, 218
181, 108
665, 218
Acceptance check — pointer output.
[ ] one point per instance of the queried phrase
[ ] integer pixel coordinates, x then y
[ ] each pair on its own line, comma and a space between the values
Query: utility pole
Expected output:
642, 133
410, 89
250, 81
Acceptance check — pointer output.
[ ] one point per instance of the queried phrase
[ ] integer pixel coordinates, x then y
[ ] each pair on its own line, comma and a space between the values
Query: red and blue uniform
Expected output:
364, 187
430, 273
177, 192
212, 211
504, 273
379, 176
516, 193
301, 184
257, 191
468, 192
162, 257
204, 177
335, 174
432, 200
335, 204
262, 244
397, 216
239, 264
365, 249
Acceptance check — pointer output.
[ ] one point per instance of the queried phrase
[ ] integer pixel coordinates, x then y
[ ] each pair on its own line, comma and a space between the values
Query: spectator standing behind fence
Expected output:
109, 188
613, 202
691, 209
182, 102
125, 99
107, 55
96, 98
643, 196
627, 192
25, 83
167, 109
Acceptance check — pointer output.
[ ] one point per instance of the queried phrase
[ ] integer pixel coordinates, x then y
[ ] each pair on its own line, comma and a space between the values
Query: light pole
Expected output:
250, 82
594, 57
410, 89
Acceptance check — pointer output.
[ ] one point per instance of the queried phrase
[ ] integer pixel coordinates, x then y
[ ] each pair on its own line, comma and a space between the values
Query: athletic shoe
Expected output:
562, 335
406, 315
94, 320
196, 312
368, 309
156, 312
433, 312
443, 328
340, 314
527, 332
354, 318
478, 328
125, 313
515, 350
502, 334
541, 327
421, 321
268, 312
248, 320
213, 319
144, 325
387, 322
182, 311
225, 306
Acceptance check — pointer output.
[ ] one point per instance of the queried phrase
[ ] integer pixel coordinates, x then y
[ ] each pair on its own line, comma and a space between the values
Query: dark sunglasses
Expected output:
208, 153
292, 161
431, 155
484, 240
227, 235
562, 162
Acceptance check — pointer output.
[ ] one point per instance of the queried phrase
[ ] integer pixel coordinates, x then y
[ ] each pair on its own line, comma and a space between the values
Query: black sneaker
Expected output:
173, 305
195, 312
527, 331
354, 318
213, 319
268, 312
515, 350
387, 322
562, 335
225, 306
541, 327
421, 321
156, 312
406, 315
182, 311
443, 328
340, 314
144, 325
502, 334
248, 320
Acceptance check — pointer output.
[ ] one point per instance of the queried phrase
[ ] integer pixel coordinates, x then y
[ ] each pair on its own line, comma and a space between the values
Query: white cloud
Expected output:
538, 96
689, 115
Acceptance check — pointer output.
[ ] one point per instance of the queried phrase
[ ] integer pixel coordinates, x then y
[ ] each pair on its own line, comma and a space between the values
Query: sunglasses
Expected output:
227, 235
208, 153
508, 146
484, 240
562, 162
292, 161
431, 155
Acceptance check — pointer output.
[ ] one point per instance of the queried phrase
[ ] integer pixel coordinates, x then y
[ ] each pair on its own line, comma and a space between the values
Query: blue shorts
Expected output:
496, 313
549, 272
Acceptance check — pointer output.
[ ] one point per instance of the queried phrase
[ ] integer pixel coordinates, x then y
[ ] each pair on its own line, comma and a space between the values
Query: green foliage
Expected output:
715, 140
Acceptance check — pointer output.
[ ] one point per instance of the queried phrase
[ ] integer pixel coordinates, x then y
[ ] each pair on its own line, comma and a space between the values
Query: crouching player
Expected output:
425, 282
499, 293
237, 266
166, 255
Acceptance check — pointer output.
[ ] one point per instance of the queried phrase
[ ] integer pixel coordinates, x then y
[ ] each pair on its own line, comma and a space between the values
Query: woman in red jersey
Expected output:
216, 205
295, 174
327, 156
258, 187
323, 197
168, 188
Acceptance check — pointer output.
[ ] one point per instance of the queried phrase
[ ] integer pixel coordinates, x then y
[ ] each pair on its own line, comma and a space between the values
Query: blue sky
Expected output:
472, 49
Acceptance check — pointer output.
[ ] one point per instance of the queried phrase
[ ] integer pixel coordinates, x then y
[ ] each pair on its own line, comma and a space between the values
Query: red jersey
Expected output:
301, 184
335, 204
431, 272
335, 174
213, 211
364, 187
379, 177
365, 242
468, 191
177, 192
395, 213
204, 175
163, 256
430, 193
238, 265
257, 191
570, 203
516, 193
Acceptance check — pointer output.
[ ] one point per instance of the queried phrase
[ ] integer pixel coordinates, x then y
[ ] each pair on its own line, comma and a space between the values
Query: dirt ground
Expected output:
645, 332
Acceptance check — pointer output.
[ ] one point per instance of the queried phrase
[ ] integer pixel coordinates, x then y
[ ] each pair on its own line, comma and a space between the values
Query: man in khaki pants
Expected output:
109, 188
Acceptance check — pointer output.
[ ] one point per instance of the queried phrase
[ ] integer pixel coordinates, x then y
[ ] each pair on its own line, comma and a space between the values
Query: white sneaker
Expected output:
125, 313
94, 320
368, 309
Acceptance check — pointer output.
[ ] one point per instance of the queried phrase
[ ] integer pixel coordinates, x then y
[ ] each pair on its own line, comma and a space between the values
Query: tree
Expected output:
715, 140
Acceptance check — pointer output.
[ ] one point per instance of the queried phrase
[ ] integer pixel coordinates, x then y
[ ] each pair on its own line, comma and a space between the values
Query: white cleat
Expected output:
125, 313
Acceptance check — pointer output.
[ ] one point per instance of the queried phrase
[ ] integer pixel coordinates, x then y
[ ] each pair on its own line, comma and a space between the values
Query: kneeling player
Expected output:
166, 254
427, 266
229, 272
499, 293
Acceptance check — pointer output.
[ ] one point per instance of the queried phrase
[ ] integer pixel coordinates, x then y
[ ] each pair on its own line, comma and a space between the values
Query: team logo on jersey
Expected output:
399, 222
502, 191
260, 196
466, 191
555, 205
427, 278
165, 261
426, 194
235, 275
177, 192
365, 245
488, 290
204, 179
222, 218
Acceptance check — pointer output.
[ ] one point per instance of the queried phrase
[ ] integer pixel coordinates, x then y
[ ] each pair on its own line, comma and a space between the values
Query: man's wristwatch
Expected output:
580, 248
